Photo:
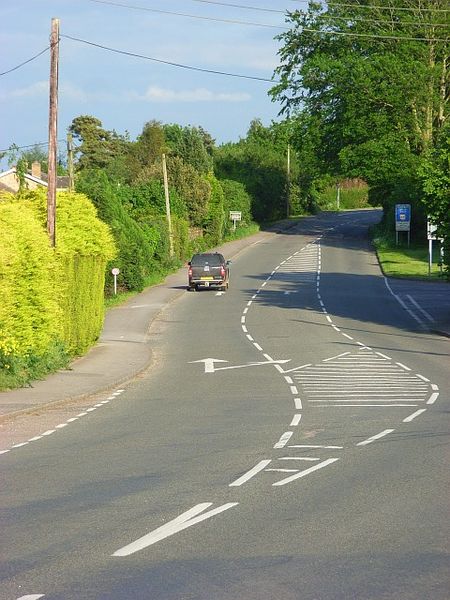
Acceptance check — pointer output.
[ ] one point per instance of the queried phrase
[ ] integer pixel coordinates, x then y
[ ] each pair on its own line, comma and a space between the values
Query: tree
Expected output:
434, 173
98, 147
191, 144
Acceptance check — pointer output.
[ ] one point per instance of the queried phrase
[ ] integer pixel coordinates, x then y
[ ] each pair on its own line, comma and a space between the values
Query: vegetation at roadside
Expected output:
403, 261
51, 299
364, 110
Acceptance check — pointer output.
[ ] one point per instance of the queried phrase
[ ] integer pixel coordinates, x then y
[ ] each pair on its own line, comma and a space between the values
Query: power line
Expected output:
406, 38
166, 62
269, 10
392, 8
13, 147
177, 14
396, 23
25, 62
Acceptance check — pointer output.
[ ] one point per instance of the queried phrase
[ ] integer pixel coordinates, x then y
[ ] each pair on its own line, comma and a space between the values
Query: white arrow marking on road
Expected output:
220, 293
185, 520
209, 364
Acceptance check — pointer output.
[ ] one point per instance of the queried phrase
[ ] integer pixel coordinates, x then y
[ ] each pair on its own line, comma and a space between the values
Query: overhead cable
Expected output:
391, 8
25, 62
167, 62
177, 14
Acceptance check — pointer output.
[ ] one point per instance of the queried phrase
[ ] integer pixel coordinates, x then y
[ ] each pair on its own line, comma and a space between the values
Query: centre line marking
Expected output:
317, 446
251, 473
185, 520
298, 403
433, 398
414, 415
375, 437
321, 465
296, 420
284, 439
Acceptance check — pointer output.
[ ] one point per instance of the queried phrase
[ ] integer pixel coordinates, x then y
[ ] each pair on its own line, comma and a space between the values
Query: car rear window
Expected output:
214, 260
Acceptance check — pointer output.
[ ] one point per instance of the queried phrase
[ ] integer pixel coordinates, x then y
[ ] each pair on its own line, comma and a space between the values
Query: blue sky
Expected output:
126, 92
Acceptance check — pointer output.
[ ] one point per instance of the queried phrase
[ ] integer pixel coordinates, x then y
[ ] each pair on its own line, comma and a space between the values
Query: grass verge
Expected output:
406, 262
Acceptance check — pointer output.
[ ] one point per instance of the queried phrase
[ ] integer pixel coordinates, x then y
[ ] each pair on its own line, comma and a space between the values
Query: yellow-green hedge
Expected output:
30, 316
51, 294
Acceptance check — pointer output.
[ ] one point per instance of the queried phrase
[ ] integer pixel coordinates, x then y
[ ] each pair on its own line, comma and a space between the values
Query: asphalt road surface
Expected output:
290, 442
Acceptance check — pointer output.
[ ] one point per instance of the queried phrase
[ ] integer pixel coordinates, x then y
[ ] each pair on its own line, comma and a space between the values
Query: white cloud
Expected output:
40, 88
156, 93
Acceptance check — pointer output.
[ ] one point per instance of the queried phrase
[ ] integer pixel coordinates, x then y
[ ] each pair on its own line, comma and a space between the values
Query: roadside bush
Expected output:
215, 218
135, 247
236, 198
83, 246
31, 318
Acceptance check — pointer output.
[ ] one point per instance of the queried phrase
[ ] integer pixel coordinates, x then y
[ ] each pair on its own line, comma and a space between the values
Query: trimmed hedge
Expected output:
51, 299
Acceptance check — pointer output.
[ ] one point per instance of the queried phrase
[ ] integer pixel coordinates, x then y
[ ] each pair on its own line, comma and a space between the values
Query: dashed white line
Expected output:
403, 366
414, 415
251, 473
295, 420
375, 437
284, 439
434, 396
321, 465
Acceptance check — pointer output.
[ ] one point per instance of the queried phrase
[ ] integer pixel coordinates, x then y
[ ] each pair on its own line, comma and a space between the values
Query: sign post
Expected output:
402, 219
115, 272
235, 215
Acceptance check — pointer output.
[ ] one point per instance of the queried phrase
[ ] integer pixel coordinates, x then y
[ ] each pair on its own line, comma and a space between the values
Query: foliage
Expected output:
193, 145
235, 198
365, 106
434, 174
259, 162
30, 314
215, 218
98, 147
83, 246
135, 246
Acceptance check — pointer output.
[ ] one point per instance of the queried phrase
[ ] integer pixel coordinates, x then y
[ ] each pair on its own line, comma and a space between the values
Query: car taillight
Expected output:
190, 271
222, 272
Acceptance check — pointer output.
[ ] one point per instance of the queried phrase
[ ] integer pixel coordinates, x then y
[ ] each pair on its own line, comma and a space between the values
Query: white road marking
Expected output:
251, 473
19, 445
434, 386
414, 415
185, 520
384, 356
288, 379
242, 319
347, 336
375, 437
72, 419
321, 465
403, 366
420, 309
257, 346
31, 597
361, 405
317, 446
304, 458
298, 403
61, 425
296, 420
294, 389
283, 470
49, 432
284, 439
434, 396
244, 329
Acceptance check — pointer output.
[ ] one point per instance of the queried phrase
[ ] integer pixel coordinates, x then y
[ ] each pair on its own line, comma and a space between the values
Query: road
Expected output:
289, 442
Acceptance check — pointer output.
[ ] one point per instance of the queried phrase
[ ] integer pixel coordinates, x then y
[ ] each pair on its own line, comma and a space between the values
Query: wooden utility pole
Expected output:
166, 192
53, 131
70, 161
288, 193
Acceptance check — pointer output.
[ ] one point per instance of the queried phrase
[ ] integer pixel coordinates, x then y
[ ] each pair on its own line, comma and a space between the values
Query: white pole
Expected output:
166, 193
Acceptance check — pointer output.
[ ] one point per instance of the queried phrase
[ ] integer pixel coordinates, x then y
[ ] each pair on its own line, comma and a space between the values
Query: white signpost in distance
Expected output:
235, 215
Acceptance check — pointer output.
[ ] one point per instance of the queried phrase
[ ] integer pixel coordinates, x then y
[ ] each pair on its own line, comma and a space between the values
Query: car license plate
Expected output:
206, 278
